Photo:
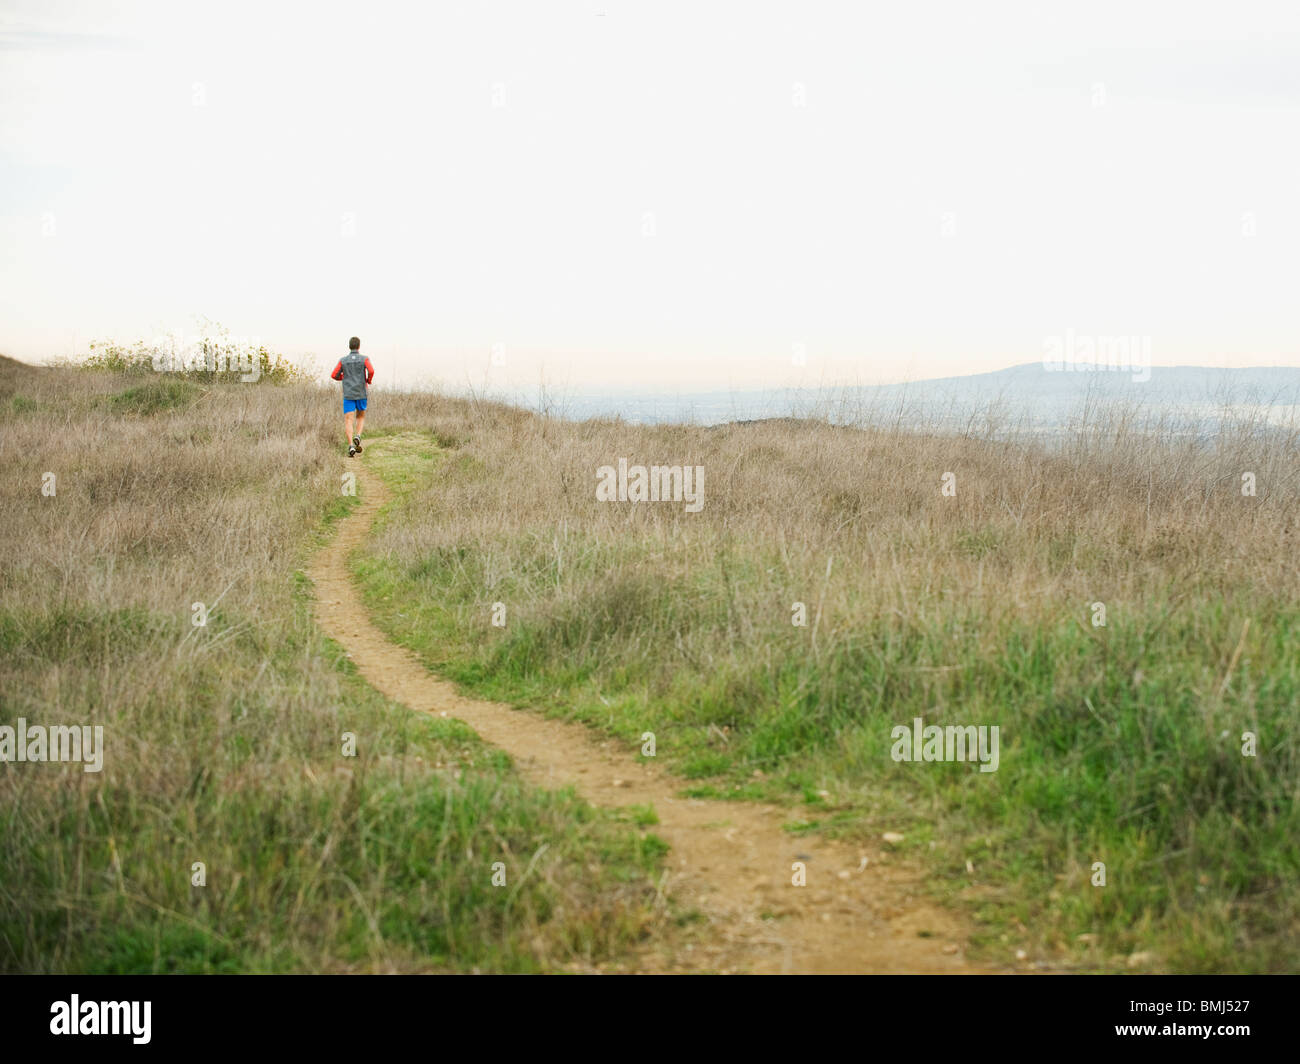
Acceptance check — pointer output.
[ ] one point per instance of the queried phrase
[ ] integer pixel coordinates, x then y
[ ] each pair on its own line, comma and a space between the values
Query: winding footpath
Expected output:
860, 910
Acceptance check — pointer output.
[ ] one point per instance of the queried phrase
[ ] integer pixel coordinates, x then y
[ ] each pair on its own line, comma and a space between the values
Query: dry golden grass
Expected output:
1121, 743
224, 742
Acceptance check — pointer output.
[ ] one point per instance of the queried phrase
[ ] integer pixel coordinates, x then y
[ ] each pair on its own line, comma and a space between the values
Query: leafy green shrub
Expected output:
211, 359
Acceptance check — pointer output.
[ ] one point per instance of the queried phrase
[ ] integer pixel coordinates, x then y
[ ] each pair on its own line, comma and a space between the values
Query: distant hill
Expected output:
1032, 382
13, 373
1042, 399
8, 364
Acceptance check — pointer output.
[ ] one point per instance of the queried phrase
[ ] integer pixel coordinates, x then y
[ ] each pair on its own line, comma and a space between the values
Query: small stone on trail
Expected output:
893, 837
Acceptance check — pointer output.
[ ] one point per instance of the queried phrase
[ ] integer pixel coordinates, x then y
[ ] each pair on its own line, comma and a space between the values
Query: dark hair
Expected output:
354, 344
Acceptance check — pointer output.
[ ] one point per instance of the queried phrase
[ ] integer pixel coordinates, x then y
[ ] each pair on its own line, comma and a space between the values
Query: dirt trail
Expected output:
731, 860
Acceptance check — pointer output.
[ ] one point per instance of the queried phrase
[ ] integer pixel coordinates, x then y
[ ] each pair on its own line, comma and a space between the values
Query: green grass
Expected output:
389, 853
1118, 744
225, 744
156, 395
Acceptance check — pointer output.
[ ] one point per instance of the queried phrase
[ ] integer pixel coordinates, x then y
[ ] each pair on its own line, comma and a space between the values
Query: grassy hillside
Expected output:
225, 742
1121, 743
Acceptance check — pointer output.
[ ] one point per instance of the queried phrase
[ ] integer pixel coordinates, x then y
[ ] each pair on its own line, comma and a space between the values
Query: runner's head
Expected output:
354, 344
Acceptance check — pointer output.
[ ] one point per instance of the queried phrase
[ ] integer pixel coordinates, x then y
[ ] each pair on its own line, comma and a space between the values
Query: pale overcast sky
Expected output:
655, 194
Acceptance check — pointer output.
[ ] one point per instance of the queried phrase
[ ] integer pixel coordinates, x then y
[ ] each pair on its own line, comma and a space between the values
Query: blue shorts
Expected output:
350, 405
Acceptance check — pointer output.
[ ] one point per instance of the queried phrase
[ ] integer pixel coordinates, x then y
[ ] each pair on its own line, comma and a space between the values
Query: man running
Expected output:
356, 373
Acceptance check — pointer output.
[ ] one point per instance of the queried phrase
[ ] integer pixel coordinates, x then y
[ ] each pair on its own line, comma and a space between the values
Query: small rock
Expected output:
1088, 939
950, 949
1021, 955
1140, 960
893, 837
620, 783
844, 873
970, 869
